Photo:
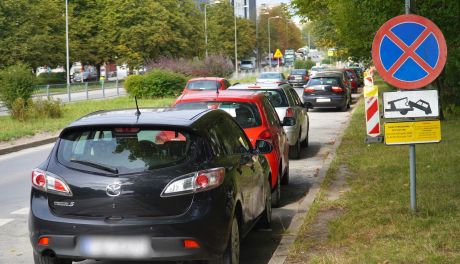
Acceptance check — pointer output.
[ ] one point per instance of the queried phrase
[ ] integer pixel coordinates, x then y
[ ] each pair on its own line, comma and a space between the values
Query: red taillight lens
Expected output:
189, 243
309, 89
337, 89
48, 182
44, 241
265, 135
289, 112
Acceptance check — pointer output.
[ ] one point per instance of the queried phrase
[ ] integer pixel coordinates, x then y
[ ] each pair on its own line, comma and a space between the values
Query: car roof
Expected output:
206, 79
226, 95
149, 116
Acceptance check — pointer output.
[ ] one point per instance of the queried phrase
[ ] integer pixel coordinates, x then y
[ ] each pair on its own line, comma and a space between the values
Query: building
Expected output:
243, 8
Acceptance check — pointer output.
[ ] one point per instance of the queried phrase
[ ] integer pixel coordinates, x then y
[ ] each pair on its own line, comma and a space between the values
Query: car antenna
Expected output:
138, 113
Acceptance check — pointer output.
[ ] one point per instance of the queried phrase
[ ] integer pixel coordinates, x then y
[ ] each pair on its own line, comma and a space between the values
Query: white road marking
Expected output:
22, 211
5, 221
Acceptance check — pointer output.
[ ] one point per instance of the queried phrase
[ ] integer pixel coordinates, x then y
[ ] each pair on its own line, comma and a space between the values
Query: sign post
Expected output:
409, 52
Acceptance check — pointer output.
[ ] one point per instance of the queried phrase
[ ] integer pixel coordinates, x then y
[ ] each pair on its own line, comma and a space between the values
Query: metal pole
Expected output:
236, 43
205, 31
67, 45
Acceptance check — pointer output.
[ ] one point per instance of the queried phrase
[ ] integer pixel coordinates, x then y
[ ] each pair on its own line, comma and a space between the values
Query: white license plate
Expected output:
115, 246
323, 100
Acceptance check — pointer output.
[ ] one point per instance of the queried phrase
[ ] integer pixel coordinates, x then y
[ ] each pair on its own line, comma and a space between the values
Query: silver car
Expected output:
289, 108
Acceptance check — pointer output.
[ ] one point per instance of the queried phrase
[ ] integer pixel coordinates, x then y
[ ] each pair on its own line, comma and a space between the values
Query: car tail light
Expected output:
289, 112
266, 134
195, 182
49, 182
337, 89
309, 89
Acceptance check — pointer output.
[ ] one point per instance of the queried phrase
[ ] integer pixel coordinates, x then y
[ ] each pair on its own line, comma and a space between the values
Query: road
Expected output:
259, 245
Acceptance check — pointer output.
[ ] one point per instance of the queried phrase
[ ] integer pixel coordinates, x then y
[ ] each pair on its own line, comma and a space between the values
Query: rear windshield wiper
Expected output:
96, 165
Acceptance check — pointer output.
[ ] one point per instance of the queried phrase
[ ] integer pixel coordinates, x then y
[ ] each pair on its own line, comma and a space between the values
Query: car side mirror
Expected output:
288, 121
263, 147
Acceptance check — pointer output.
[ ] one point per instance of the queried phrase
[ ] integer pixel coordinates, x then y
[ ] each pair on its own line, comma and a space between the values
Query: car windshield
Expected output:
298, 71
276, 96
270, 75
324, 81
204, 85
246, 114
122, 150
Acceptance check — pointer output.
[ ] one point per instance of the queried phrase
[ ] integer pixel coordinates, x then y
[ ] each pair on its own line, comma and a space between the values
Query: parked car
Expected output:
287, 105
254, 113
298, 77
353, 79
206, 83
271, 77
248, 66
110, 191
326, 90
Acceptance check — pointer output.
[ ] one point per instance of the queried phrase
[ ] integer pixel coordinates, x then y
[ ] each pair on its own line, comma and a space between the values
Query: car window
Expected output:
276, 96
127, 150
204, 85
246, 114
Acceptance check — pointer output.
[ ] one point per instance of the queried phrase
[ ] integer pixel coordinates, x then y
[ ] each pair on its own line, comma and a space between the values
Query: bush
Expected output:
23, 110
156, 83
214, 65
16, 81
304, 64
51, 78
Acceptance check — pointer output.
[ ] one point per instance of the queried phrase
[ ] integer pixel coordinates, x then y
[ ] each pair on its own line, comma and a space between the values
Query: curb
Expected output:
282, 251
33, 144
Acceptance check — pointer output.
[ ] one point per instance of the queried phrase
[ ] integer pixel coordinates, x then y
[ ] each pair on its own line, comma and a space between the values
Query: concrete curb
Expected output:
282, 251
32, 144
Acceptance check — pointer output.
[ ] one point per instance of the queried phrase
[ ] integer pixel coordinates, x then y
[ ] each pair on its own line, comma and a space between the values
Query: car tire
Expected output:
265, 220
285, 179
276, 193
39, 259
294, 151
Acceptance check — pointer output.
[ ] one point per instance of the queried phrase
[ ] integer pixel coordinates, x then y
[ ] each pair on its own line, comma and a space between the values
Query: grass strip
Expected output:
13, 129
377, 225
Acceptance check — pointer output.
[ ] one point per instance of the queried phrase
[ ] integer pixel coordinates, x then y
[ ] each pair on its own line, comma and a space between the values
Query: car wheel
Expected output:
294, 151
285, 179
39, 259
276, 193
265, 220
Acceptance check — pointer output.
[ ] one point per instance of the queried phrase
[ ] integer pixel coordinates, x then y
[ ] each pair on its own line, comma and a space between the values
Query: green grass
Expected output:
377, 225
12, 129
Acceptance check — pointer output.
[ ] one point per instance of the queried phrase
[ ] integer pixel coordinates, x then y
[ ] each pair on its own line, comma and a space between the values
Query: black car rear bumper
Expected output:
207, 222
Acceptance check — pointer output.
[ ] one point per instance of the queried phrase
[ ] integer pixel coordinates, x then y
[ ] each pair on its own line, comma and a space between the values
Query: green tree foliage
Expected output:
351, 25
16, 81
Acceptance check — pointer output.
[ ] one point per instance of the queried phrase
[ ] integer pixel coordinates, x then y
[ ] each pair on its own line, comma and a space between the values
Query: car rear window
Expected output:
324, 81
204, 85
276, 96
269, 76
122, 150
246, 114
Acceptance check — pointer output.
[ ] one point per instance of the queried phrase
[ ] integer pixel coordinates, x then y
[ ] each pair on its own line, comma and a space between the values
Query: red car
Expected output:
259, 120
354, 80
206, 84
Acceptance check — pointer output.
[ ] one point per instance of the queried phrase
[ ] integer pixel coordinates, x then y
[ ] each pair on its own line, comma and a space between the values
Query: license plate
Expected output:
115, 246
323, 100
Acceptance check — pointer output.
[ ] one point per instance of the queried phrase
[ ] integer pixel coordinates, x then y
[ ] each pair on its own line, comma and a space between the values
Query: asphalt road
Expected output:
258, 246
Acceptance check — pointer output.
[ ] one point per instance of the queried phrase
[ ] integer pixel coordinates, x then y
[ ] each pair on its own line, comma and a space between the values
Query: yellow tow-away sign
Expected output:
412, 132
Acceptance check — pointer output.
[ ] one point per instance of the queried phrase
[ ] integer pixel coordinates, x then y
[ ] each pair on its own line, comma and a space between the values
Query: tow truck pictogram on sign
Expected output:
411, 104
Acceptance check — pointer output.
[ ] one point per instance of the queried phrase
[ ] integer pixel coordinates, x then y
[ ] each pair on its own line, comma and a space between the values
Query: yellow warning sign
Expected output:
278, 54
412, 132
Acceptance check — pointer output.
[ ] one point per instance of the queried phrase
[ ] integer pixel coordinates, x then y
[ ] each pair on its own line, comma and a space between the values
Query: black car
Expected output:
164, 184
326, 90
298, 77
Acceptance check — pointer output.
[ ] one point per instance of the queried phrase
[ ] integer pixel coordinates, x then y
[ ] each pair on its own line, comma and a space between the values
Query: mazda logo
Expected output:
113, 189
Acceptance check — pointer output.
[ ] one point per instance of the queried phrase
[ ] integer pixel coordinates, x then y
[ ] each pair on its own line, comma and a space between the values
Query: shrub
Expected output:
156, 83
16, 81
51, 78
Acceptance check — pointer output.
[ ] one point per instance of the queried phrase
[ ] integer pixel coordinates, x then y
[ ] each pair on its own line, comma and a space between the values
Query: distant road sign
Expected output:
278, 54
412, 132
411, 104
409, 51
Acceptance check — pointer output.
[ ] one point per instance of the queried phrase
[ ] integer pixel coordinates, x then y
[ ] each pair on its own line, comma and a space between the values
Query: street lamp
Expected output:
206, 25
269, 48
